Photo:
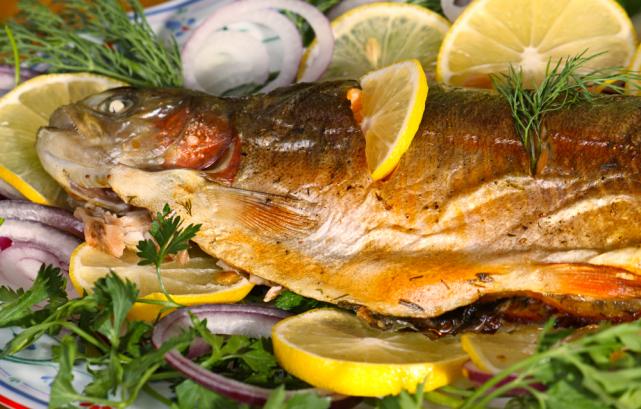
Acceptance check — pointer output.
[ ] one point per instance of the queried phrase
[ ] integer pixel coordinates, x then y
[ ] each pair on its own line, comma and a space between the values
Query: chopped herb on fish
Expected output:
93, 36
565, 83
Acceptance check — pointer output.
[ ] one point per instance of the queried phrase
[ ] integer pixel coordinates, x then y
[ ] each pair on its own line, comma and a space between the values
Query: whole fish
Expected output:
280, 185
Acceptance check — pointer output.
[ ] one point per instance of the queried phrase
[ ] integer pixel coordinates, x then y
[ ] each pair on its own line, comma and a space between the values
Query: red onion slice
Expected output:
19, 264
51, 216
33, 244
228, 319
479, 377
5, 243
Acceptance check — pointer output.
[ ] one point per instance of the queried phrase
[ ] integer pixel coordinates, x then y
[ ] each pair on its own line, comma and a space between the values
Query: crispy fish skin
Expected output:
460, 220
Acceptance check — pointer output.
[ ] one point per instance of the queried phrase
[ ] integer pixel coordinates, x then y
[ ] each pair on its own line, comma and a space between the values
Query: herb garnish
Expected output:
565, 83
93, 36
169, 238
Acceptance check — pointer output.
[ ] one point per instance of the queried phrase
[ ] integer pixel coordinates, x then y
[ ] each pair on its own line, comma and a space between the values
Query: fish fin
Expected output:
266, 214
591, 280
411, 285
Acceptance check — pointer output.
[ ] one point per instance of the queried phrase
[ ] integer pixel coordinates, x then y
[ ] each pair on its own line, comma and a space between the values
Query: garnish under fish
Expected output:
280, 185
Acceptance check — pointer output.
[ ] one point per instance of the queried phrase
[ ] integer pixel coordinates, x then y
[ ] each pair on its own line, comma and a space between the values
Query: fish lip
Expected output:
83, 182
62, 120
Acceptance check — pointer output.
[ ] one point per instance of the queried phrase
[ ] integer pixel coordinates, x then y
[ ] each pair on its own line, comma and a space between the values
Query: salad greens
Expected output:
92, 36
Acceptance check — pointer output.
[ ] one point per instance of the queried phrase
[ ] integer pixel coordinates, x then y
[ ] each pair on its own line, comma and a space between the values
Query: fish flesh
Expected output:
281, 187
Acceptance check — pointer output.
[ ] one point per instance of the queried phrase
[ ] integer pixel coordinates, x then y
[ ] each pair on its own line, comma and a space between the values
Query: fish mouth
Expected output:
80, 168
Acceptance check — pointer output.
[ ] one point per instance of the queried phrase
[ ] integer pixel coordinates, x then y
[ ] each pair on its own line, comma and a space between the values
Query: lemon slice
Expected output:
491, 35
376, 35
393, 101
495, 352
335, 350
22, 112
634, 88
199, 281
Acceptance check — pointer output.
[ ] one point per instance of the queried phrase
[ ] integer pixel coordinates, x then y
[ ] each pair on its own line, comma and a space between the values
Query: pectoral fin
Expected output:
264, 213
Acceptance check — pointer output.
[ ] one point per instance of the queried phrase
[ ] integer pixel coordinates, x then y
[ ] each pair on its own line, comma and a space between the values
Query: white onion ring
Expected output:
249, 62
453, 8
290, 40
256, 10
228, 319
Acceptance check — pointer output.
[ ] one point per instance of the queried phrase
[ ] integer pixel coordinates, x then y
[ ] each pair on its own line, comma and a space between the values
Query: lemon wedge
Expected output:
393, 102
376, 35
335, 350
22, 112
634, 88
491, 35
199, 281
494, 352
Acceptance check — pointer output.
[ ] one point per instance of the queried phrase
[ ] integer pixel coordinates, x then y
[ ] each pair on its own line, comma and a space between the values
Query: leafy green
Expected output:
631, 6
404, 400
169, 237
277, 400
243, 358
17, 307
565, 83
92, 36
190, 395
601, 369
290, 301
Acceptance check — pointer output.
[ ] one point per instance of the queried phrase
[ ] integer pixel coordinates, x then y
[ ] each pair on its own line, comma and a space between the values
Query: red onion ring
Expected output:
51, 216
33, 244
479, 377
5, 243
228, 319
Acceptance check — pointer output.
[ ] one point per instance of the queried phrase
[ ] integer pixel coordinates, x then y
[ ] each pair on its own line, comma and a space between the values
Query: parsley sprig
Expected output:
566, 82
92, 36
169, 238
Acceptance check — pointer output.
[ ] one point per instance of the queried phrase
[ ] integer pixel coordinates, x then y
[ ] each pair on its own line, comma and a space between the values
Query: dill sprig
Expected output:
566, 82
93, 36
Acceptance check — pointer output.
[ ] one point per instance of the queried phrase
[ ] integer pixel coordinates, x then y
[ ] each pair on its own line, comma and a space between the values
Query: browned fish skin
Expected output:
460, 219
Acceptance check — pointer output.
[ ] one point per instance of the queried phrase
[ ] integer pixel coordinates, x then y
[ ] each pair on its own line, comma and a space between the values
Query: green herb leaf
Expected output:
93, 36
566, 82
277, 400
404, 400
48, 285
290, 301
190, 395
169, 237
117, 297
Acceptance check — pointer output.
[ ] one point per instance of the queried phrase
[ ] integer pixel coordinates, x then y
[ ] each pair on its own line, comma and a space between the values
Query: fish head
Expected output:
150, 129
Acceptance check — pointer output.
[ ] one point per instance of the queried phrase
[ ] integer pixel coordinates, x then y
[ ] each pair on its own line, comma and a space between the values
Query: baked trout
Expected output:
280, 185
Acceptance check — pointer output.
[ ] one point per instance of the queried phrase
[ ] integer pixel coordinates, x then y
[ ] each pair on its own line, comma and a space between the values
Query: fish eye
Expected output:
116, 104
